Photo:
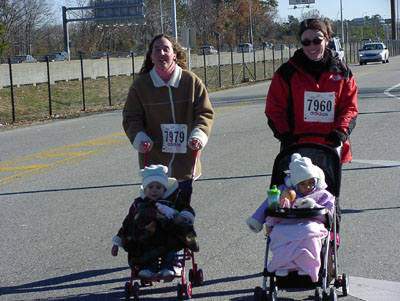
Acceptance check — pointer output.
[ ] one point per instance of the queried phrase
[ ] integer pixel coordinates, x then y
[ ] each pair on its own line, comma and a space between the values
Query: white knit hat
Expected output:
301, 168
154, 173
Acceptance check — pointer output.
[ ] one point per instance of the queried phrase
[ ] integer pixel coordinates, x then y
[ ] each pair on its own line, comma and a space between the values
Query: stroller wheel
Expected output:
259, 294
191, 275
199, 277
179, 291
333, 294
188, 290
135, 290
127, 291
273, 293
318, 294
345, 284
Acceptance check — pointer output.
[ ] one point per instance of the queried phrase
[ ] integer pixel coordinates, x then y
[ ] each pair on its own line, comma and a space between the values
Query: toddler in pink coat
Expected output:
296, 243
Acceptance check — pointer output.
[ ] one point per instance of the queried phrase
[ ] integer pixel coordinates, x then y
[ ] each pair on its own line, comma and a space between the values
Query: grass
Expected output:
31, 103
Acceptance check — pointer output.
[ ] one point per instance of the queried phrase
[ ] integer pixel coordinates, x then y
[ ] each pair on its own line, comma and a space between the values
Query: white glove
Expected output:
167, 211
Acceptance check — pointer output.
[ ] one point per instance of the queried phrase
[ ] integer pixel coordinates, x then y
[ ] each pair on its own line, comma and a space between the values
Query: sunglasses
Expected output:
316, 41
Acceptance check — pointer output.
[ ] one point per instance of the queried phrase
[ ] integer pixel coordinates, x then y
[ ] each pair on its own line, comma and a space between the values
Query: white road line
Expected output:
387, 91
374, 289
379, 162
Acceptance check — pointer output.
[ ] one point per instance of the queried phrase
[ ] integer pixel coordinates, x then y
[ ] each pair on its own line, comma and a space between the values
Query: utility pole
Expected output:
341, 23
251, 24
174, 28
394, 19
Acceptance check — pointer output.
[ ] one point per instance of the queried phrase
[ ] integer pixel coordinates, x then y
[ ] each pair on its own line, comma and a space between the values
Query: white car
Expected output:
207, 50
374, 52
245, 47
334, 44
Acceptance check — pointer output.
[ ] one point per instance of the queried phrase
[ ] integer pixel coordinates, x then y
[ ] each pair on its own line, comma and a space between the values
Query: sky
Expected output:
328, 8
331, 8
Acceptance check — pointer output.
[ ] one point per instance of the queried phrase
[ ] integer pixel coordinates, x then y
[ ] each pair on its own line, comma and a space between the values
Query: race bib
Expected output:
319, 106
174, 138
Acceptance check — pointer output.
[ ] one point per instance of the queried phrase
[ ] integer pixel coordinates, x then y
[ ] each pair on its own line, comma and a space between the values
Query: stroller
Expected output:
184, 288
328, 159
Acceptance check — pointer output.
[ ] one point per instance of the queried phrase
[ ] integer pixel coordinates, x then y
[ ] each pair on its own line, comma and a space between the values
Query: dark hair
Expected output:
180, 54
321, 25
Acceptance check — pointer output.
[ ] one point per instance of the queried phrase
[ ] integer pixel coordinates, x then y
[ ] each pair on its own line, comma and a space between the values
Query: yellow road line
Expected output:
22, 168
28, 166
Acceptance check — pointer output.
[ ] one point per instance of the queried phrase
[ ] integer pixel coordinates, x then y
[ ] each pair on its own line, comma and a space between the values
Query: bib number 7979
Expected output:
174, 138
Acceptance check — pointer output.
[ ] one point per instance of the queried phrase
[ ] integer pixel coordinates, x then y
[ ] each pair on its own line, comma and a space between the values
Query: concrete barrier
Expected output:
36, 73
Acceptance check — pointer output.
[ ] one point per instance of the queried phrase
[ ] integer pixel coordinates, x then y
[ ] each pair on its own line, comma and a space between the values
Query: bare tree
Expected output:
22, 18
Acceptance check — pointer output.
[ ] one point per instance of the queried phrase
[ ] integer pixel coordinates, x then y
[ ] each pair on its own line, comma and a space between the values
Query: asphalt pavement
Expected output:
66, 186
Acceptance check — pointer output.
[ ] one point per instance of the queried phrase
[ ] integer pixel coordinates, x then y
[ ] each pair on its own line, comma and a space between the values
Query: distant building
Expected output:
358, 21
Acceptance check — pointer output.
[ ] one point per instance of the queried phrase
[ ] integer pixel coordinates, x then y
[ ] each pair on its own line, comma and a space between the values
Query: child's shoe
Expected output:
147, 273
302, 273
164, 273
281, 273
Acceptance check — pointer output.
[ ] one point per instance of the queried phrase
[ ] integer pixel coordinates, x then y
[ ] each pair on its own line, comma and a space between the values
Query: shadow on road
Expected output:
123, 185
351, 211
61, 283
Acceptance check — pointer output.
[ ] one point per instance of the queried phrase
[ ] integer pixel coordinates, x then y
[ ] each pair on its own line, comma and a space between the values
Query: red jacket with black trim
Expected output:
299, 102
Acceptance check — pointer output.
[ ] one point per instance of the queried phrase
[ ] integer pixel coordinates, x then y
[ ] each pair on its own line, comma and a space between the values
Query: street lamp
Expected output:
362, 31
251, 24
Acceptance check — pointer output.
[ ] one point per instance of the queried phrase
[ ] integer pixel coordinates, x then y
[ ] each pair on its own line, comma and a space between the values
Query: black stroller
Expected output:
328, 159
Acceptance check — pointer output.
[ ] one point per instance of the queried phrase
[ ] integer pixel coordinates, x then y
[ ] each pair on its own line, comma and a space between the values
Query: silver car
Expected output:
207, 50
23, 58
374, 52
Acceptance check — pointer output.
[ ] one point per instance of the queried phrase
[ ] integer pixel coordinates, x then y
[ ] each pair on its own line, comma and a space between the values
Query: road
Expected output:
65, 187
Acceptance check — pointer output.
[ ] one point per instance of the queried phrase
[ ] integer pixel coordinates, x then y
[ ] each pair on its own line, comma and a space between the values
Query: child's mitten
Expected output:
167, 211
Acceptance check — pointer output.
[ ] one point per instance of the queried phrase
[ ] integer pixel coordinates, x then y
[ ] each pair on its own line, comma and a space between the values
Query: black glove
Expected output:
287, 139
336, 138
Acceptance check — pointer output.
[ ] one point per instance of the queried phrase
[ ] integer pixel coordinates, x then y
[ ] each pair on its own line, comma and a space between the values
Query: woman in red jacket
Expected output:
313, 96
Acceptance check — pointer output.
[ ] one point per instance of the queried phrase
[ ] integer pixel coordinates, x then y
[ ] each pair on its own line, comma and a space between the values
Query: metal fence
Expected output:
37, 91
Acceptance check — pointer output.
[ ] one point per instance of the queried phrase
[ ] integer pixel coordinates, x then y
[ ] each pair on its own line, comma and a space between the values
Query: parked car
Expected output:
23, 58
100, 55
335, 45
63, 54
207, 49
245, 47
281, 47
267, 45
374, 52
54, 57
126, 54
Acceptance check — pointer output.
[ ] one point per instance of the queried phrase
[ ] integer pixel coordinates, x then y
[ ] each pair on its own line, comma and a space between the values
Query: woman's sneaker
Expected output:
147, 273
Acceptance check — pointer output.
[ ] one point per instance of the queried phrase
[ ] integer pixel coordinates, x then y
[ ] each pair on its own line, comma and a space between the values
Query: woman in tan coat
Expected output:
168, 108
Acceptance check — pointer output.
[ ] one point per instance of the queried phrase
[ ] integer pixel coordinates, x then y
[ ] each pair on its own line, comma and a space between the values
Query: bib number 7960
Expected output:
319, 106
